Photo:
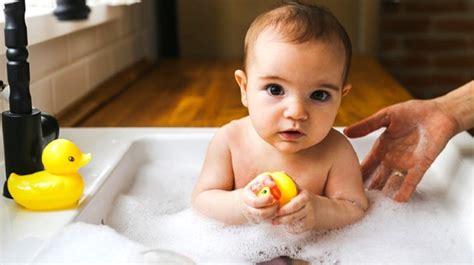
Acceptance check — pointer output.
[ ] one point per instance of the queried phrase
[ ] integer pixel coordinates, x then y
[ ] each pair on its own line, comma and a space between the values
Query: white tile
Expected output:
108, 33
127, 21
42, 95
3, 69
69, 85
82, 43
47, 57
139, 46
123, 54
139, 16
100, 67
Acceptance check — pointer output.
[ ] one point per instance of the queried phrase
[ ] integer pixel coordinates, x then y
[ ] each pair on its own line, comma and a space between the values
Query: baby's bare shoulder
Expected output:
337, 142
232, 131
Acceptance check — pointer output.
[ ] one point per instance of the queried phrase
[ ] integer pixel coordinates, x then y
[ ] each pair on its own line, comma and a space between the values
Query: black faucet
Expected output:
26, 130
71, 10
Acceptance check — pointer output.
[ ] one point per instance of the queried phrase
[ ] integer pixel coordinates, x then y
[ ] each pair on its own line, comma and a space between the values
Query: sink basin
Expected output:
119, 153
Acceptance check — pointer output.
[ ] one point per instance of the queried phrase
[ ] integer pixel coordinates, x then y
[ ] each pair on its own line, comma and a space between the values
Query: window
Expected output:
38, 7
50, 4
40, 4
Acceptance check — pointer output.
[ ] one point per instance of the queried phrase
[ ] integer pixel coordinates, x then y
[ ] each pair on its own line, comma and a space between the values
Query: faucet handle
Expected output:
49, 128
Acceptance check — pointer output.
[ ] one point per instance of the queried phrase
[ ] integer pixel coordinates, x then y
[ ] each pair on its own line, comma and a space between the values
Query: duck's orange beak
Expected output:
276, 193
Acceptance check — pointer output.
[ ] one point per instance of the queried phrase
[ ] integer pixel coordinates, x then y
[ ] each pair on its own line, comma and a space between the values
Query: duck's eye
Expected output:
320, 95
70, 158
275, 90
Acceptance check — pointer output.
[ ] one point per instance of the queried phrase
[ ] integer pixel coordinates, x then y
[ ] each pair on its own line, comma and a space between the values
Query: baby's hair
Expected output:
299, 22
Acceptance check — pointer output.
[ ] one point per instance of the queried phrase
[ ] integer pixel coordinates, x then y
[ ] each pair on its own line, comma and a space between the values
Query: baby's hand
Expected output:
298, 215
257, 209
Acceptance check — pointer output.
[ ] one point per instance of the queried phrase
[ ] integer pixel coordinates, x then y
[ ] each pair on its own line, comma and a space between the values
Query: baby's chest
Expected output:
310, 174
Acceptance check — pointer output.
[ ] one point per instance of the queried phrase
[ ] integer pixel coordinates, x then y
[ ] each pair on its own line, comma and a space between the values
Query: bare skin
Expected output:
416, 132
289, 128
330, 195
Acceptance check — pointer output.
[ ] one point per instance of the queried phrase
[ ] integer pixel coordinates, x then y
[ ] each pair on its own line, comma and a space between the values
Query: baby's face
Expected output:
293, 91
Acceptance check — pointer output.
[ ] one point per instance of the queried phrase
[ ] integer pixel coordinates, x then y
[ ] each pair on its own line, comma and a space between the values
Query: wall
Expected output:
216, 28
65, 69
428, 45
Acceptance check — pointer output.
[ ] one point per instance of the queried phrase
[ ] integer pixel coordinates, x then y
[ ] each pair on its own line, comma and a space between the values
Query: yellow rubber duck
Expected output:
59, 186
284, 190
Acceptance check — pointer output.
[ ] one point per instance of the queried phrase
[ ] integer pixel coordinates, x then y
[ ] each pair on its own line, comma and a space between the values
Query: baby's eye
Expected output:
275, 90
320, 95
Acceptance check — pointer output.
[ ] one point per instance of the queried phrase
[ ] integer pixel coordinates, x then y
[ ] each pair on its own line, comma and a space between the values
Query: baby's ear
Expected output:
347, 87
241, 79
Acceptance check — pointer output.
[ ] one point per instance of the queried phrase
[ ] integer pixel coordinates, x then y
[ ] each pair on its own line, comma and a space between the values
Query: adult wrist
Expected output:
458, 106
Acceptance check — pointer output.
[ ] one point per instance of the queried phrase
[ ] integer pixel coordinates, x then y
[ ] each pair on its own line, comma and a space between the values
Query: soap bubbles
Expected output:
154, 218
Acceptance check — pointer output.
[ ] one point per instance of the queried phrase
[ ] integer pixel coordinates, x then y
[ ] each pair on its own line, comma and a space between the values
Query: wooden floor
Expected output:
203, 93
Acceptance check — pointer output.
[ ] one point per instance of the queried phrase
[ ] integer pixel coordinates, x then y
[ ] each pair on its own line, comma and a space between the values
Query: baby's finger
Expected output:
261, 214
295, 204
289, 218
255, 186
251, 199
268, 181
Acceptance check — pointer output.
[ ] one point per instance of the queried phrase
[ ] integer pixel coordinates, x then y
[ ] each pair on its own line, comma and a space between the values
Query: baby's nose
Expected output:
295, 110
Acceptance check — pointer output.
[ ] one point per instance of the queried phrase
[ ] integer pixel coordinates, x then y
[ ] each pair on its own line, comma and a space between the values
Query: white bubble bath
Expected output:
148, 218
156, 213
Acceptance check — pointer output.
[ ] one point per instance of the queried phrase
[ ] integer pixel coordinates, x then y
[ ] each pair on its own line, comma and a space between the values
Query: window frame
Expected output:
42, 25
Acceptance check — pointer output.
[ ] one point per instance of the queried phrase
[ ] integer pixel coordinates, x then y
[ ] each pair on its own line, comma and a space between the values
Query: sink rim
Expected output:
121, 139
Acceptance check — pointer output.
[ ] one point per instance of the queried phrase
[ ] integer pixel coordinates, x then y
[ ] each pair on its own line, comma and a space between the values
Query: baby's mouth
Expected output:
291, 135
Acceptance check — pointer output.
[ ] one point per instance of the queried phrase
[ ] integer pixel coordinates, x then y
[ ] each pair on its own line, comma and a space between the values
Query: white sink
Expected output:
117, 154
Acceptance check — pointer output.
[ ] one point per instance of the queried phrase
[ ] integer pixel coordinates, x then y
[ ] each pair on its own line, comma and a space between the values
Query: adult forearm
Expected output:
220, 205
459, 104
336, 213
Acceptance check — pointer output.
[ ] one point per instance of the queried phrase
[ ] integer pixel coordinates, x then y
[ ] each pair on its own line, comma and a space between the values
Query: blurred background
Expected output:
427, 45
171, 62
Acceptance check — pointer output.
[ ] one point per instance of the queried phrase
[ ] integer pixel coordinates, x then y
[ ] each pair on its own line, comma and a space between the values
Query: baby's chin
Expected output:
290, 147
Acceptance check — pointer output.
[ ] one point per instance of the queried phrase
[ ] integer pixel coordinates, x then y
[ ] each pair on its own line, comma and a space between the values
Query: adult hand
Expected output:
416, 132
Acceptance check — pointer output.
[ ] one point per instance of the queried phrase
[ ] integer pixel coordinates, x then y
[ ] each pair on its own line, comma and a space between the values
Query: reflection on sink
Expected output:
119, 155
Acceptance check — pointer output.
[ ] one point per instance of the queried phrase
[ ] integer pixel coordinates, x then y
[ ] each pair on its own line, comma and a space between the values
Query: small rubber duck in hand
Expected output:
59, 186
284, 190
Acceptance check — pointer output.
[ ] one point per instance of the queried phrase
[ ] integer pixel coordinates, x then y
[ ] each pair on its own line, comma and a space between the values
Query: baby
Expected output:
297, 58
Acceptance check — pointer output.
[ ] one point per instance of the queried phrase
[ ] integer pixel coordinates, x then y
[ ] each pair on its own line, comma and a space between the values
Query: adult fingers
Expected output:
409, 184
368, 125
393, 184
370, 163
378, 178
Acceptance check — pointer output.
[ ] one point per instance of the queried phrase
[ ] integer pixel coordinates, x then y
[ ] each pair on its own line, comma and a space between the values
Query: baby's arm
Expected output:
344, 201
214, 196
